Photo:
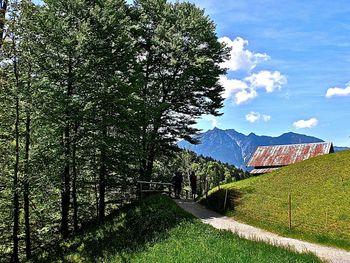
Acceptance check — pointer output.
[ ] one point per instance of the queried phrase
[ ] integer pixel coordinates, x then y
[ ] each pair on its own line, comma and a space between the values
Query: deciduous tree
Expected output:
179, 56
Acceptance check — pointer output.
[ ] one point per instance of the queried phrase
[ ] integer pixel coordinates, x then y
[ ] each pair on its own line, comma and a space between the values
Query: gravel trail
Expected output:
332, 255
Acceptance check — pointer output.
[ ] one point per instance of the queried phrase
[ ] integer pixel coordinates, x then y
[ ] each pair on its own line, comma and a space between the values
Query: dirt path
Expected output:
249, 232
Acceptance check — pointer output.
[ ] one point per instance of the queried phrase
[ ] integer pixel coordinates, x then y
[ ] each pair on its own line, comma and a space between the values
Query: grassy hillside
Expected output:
157, 230
320, 193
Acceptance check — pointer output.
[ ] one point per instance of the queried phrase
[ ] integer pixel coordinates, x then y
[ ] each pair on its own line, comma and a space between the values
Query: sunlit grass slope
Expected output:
320, 194
157, 230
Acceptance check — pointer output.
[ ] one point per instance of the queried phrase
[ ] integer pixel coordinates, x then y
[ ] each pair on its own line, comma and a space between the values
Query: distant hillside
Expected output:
319, 189
340, 149
236, 148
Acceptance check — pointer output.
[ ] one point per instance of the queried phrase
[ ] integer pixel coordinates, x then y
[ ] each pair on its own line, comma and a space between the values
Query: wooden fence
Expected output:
146, 188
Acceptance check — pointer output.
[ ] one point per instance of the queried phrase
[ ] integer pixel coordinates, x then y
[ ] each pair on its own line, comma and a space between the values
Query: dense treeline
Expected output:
209, 172
92, 93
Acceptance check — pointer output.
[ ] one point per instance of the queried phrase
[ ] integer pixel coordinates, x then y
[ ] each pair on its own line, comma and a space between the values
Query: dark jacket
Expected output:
177, 180
193, 180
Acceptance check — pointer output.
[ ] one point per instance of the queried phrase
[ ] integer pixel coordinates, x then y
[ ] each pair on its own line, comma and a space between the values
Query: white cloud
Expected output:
237, 89
252, 117
301, 124
246, 89
256, 116
245, 96
232, 86
266, 118
268, 80
332, 92
240, 57
241, 91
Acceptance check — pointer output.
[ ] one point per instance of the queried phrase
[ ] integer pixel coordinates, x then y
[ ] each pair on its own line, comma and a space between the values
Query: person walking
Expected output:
193, 183
177, 181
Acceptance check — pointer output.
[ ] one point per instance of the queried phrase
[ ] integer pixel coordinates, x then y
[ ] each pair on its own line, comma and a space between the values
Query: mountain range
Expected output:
236, 148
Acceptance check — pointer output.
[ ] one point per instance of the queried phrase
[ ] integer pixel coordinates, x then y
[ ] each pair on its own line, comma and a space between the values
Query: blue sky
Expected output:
296, 50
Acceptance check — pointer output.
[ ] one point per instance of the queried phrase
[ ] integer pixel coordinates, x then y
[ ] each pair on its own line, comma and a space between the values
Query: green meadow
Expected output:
320, 198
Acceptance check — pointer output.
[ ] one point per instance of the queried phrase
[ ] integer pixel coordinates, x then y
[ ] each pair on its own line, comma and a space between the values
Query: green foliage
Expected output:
157, 230
319, 189
209, 172
178, 59
91, 93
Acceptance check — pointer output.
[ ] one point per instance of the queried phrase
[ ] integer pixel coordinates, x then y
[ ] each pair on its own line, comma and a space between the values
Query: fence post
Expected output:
290, 211
225, 199
206, 189
140, 191
170, 191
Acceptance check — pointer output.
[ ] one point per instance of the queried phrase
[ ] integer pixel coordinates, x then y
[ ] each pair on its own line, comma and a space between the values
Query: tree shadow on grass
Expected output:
124, 233
216, 201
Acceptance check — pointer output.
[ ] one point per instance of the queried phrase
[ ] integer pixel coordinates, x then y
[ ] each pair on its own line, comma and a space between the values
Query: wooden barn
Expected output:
268, 158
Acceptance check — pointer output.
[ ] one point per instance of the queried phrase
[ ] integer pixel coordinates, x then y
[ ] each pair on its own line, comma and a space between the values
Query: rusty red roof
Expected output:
281, 155
263, 170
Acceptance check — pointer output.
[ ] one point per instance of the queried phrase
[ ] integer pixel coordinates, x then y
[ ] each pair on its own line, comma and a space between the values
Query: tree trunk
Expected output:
102, 188
74, 180
143, 157
143, 160
102, 177
142, 169
65, 191
26, 190
150, 163
14, 257
26, 181
96, 197
95, 184
3, 8
151, 154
